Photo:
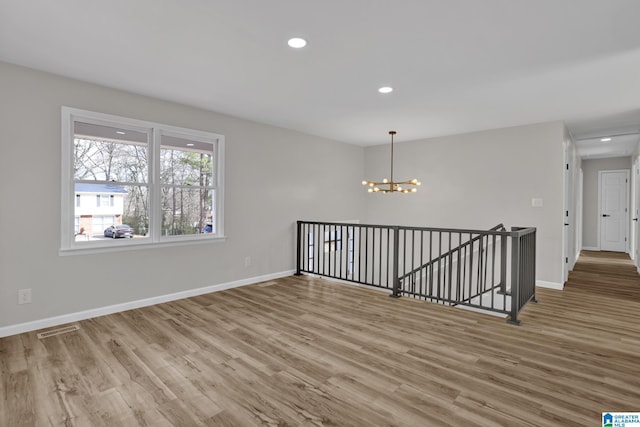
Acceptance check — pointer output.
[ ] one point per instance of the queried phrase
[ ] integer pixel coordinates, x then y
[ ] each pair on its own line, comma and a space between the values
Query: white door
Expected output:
635, 236
613, 210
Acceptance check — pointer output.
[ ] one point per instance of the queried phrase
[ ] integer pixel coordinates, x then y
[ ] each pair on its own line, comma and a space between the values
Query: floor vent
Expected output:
58, 331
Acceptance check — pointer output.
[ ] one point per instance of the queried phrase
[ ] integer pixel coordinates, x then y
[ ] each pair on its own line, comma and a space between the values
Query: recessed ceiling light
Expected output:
297, 42
190, 144
385, 89
119, 132
605, 139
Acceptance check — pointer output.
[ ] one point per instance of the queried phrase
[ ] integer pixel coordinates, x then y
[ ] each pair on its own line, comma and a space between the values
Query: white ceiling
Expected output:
456, 65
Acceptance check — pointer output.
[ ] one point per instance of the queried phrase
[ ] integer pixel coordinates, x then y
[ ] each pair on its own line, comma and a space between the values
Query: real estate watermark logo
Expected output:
621, 419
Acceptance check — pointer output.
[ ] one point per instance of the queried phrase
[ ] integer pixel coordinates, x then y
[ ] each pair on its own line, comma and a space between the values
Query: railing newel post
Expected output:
299, 248
503, 264
515, 276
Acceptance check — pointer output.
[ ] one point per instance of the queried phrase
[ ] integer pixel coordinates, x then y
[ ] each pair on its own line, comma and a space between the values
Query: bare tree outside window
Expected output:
186, 174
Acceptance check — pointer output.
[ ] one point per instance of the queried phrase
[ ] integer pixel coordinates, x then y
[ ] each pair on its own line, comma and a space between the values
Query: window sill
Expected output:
97, 248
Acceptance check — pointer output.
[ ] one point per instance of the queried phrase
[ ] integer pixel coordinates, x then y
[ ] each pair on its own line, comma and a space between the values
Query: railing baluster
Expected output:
366, 253
439, 265
359, 253
431, 267
470, 268
450, 268
480, 267
459, 267
387, 270
503, 264
493, 269
421, 262
380, 258
396, 247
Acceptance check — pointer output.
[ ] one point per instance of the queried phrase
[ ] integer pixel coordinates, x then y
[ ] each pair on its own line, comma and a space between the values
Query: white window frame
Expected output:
68, 245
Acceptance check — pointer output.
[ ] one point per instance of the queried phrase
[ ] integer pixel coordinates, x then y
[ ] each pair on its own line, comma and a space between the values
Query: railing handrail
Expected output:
451, 251
490, 232
521, 231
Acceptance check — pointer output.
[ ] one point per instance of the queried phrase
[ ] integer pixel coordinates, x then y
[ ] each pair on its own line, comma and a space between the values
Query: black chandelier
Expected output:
389, 185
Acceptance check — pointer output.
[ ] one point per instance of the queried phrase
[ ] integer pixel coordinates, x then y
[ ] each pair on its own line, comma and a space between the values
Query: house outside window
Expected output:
164, 182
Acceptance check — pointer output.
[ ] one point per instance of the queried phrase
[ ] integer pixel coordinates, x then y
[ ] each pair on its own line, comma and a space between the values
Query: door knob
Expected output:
605, 215
635, 219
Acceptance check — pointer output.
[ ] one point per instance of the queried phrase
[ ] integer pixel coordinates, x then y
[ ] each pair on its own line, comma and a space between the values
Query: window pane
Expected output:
186, 162
125, 204
187, 211
103, 153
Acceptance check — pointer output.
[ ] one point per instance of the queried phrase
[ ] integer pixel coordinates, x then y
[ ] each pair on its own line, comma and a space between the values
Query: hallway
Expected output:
610, 274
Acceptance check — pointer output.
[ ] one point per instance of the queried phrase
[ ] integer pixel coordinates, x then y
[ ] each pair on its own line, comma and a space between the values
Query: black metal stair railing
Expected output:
448, 266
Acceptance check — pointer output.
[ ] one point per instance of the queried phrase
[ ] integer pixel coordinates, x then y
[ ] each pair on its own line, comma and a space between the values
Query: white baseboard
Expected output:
550, 285
590, 248
117, 308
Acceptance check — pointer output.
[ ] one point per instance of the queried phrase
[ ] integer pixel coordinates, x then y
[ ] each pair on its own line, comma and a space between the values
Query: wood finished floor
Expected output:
303, 351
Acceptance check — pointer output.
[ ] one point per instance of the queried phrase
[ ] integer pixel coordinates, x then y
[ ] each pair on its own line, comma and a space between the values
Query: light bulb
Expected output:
385, 180
370, 190
364, 182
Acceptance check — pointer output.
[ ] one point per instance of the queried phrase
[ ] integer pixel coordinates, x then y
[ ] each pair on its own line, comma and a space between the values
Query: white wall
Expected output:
590, 169
478, 180
273, 177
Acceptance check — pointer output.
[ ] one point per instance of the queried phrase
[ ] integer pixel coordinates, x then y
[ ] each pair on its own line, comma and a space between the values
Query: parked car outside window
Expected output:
207, 229
116, 231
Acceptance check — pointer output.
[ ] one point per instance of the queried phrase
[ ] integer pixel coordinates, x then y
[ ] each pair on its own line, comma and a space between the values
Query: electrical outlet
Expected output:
247, 261
536, 203
24, 296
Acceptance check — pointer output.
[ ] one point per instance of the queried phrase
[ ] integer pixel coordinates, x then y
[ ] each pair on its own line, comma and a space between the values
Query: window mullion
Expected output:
155, 208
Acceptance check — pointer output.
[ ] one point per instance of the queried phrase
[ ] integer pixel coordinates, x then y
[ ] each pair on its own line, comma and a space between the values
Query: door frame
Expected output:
569, 255
579, 213
633, 213
626, 222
